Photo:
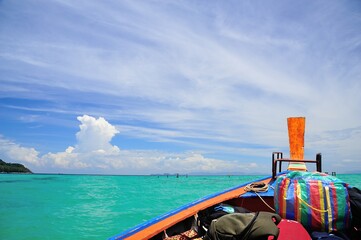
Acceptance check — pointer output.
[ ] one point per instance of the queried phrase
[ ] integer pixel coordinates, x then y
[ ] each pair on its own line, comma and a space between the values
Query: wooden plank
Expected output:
296, 134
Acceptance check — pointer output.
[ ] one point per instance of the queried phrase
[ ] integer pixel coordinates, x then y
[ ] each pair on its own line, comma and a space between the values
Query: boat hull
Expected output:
236, 196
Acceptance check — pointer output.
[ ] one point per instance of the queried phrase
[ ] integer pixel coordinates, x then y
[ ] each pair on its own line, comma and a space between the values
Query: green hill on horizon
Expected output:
13, 168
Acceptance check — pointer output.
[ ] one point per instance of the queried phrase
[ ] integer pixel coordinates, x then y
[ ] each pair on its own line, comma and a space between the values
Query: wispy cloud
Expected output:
205, 75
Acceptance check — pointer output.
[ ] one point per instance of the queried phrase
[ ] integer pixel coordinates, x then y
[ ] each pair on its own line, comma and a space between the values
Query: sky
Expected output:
189, 87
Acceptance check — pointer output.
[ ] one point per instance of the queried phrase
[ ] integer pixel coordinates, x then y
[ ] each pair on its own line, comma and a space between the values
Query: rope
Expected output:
308, 205
257, 187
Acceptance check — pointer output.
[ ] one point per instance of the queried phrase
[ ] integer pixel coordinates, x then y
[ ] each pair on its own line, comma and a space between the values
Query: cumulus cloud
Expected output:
64, 159
14, 152
93, 148
94, 152
95, 135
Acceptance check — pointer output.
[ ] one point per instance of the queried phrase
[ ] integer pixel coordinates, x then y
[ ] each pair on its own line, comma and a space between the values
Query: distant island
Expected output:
13, 168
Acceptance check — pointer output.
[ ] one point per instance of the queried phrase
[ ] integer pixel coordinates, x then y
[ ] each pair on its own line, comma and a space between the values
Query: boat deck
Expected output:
269, 193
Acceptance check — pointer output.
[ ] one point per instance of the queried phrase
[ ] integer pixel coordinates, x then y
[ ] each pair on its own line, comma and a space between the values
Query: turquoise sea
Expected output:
97, 207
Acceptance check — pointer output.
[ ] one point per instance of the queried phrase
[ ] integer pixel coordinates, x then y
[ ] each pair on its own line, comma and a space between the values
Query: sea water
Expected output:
97, 207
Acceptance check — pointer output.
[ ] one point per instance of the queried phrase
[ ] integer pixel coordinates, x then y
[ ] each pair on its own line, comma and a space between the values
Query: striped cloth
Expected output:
319, 201
295, 166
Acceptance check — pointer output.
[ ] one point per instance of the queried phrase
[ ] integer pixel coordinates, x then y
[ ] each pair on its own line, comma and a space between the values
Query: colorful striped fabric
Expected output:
301, 166
319, 201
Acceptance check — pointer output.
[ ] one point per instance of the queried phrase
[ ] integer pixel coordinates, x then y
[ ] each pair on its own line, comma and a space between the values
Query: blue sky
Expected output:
140, 87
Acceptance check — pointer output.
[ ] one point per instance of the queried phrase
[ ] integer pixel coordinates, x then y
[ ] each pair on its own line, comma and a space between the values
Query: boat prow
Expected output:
268, 195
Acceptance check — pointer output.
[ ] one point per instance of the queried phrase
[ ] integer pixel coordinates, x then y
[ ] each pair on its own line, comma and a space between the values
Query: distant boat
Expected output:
305, 202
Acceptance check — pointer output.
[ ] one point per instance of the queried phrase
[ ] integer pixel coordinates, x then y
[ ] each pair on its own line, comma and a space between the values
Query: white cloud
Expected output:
13, 152
95, 135
65, 159
192, 74
94, 152
93, 146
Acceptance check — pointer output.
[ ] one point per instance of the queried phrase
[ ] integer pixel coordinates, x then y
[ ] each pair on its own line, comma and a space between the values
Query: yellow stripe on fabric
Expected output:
329, 212
308, 205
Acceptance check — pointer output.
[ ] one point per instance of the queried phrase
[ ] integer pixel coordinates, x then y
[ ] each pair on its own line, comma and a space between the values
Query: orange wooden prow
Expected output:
296, 134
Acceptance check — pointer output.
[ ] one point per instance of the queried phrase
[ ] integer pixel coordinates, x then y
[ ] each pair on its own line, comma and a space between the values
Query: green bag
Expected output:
243, 226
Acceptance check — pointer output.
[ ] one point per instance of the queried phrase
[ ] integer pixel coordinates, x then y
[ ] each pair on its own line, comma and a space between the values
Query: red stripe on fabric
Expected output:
315, 202
334, 206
